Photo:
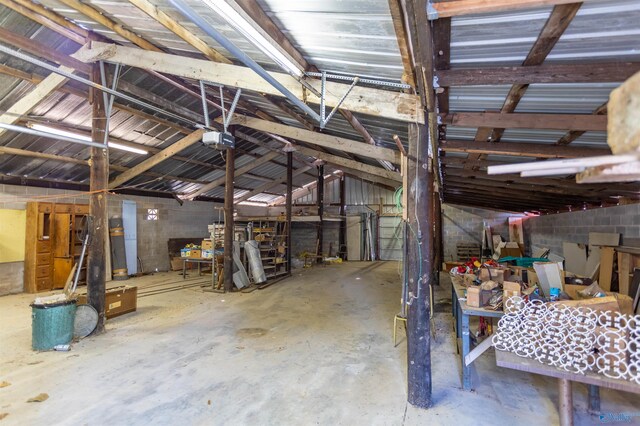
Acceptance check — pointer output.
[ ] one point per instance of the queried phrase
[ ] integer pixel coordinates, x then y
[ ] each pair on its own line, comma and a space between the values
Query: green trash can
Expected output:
52, 324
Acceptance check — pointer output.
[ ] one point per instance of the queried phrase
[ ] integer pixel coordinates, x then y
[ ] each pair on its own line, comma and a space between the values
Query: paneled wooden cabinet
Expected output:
53, 244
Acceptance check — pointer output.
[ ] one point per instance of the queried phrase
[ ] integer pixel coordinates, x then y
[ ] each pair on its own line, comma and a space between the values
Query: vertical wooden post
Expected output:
419, 266
228, 219
342, 233
437, 238
288, 212
98, 184
320, 193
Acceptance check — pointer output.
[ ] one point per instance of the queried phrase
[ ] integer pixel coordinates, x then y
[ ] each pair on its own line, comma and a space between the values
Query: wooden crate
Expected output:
118, 300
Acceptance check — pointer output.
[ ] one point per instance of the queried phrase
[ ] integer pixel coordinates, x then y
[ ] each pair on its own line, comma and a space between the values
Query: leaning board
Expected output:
13, 224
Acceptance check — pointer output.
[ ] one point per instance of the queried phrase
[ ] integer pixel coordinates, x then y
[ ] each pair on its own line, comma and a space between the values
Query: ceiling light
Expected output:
60, 132
237, 21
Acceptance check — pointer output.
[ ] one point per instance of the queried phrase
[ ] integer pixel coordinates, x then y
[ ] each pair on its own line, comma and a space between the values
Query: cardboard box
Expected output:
510, 289
477, 298
176, 264
118, 300
473, 297
197, 253
494, 274
608, 303
206, 244
450, 265
207, 254
185, 252
468, 279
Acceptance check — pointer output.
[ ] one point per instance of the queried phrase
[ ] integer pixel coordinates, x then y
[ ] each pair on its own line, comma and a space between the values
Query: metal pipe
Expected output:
188, 12
323, 92
42, 134
205, 107
71, 76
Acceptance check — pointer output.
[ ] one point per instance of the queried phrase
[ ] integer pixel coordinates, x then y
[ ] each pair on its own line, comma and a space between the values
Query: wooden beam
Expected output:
351, 164
49, 19
586, 122
25, 104
99, 179
521, 149
229, 228
41, 51
239, 172
551, 73
374, 102
374, 179
251, 11
289, 192
156, 159
320, 204
448, 9
400, 27
173, 26
319, 139
572, 135
558, 21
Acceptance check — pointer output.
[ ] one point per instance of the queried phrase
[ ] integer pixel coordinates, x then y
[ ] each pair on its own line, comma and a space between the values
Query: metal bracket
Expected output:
323, 120
109, 98
226, 115
432, 13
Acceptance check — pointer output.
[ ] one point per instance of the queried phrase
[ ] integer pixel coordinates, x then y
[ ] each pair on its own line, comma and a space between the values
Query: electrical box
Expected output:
218, 140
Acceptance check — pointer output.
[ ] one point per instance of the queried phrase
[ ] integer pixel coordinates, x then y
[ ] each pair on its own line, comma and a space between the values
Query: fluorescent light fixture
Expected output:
237, 21
60, 132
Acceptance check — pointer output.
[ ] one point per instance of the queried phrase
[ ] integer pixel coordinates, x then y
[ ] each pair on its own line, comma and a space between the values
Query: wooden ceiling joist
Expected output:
448, 9
400, 27
374, 102
586, 122
551, 73
238, 172
519, 149
321, 139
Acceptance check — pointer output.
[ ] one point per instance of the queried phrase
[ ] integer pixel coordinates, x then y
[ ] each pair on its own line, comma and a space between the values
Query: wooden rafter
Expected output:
549, 73
267, 186
521, 149
448, 9
320, 139
572, 135
400, 27
374, 102
238, 172
585, 122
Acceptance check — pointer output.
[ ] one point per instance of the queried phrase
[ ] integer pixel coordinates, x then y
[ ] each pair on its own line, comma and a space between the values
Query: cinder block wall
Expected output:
465, 225
187, 221
551, 230
304, 237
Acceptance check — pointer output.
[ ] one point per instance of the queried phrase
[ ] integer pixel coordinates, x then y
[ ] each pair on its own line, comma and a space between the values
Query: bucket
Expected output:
52, 324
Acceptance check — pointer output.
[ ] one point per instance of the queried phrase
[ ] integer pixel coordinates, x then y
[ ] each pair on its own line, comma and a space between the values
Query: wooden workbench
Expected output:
565, 406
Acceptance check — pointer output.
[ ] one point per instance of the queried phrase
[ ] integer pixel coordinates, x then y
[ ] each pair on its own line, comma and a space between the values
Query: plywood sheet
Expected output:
604, 239
13, 225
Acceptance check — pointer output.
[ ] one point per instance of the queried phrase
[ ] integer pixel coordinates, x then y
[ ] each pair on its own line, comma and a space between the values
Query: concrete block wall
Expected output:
174, 221
304, 237
551, 230
465, 225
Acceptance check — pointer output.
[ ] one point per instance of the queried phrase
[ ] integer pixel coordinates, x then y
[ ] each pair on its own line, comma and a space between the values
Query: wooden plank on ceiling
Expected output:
448, 9
585, 122
320, 139
609, 72
521, 149
375, 102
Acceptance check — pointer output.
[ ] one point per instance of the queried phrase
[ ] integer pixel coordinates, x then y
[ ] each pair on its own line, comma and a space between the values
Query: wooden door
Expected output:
62, 256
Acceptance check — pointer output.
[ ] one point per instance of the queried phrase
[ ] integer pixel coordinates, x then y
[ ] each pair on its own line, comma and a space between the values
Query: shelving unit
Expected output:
272, 239
54, 245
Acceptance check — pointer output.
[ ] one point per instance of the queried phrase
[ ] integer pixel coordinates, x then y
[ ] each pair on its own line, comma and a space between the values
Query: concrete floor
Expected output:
313, 349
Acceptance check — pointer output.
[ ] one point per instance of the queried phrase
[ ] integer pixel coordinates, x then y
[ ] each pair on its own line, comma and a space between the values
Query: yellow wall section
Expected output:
13, 224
